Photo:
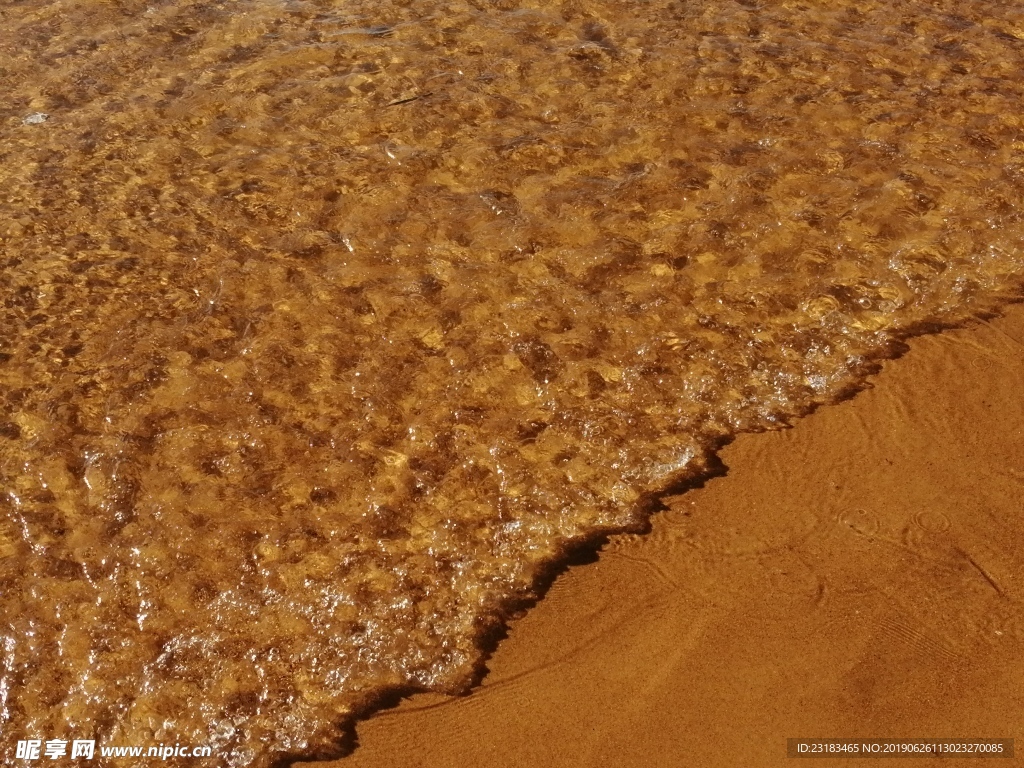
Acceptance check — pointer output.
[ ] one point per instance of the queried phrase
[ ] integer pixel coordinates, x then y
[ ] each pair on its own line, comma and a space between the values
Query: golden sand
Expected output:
327, 326
857, 576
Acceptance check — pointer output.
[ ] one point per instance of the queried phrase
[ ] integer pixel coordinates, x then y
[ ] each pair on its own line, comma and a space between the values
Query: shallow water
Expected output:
327, 325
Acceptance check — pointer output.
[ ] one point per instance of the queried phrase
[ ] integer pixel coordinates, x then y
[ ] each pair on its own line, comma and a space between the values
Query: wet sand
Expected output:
325, 327
857, 575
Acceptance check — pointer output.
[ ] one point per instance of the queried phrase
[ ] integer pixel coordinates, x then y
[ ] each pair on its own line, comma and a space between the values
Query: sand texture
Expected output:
858, 575
327, 326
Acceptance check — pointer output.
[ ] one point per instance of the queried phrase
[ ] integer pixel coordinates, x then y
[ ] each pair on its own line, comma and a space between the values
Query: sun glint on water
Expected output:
326, 324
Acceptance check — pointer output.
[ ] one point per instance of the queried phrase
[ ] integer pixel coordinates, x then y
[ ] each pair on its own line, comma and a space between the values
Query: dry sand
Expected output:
858, 575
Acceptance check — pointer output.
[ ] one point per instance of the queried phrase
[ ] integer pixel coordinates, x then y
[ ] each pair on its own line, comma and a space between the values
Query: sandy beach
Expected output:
856, 575
327, 327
